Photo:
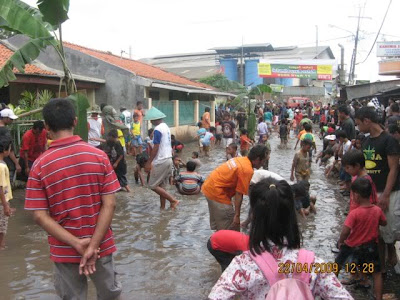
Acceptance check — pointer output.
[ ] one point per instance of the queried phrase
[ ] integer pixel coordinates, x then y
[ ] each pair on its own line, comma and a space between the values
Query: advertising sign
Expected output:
388, 49
309, 71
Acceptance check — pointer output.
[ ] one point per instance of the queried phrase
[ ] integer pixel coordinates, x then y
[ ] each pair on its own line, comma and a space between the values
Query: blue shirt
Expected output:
268, 116
206, 140
201, 132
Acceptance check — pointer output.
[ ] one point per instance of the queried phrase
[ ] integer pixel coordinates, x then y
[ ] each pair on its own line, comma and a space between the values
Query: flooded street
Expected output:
161, 254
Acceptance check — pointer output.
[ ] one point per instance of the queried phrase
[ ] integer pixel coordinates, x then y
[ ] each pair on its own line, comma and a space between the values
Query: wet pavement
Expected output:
163, 254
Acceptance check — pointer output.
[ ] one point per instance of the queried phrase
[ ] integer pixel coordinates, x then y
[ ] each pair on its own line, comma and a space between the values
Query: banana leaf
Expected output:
54, 12
20, 17
24, 55
252, 125
81, 105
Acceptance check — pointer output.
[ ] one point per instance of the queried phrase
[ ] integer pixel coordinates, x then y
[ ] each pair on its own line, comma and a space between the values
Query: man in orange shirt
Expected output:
231, 179
206, 119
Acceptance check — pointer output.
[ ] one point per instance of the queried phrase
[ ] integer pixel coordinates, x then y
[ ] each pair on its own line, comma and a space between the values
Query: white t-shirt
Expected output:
346, 147
162, 136
94, 131
127, 118
264, 174
262, 128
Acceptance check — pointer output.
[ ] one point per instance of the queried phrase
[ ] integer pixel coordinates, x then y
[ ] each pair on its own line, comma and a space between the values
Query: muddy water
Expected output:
161, 254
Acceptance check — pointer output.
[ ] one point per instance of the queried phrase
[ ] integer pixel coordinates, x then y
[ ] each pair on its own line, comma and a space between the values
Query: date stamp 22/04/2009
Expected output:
289, 267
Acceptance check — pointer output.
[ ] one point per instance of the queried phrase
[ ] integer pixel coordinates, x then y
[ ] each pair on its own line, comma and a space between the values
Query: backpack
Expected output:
282, 287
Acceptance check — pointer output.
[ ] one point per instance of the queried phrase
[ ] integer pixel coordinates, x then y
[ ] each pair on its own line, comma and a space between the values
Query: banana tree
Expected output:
43, 26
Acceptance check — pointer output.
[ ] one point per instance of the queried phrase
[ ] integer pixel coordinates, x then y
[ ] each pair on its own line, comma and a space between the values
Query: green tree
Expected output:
43, 27
222, 83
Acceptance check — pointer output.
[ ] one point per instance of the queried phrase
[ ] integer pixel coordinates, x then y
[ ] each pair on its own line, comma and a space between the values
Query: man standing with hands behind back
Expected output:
71, 191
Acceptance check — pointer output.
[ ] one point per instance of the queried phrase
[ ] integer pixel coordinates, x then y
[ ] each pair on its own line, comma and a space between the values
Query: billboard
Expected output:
297, 70
388, 49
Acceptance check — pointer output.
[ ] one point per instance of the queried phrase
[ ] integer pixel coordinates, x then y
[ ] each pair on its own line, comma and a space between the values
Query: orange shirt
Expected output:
206, 120
301, 133
231, 177
244, 142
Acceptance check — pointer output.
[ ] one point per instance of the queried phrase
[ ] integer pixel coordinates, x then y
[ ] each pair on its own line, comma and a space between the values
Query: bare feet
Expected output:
128, 190
174, 204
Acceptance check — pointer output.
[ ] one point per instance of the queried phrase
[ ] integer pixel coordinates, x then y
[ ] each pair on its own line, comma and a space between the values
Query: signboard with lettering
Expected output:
388, 49
309, 71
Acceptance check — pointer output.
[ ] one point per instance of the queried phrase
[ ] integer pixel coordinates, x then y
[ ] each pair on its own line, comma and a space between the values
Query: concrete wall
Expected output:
121, 87
185, 133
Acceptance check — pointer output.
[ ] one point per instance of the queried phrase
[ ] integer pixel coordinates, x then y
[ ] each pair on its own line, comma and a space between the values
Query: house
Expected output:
121, 81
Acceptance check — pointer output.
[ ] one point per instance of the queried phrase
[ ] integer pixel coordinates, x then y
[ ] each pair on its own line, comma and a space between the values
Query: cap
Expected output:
331, 137
154, 114
95, 110
8, 113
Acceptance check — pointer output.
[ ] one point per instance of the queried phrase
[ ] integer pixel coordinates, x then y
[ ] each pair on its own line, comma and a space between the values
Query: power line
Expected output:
377, 35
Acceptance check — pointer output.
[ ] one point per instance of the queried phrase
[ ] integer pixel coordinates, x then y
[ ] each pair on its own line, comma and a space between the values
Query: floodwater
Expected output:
161, 254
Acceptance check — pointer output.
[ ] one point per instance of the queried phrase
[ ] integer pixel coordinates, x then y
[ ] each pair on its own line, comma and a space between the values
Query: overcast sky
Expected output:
156, 27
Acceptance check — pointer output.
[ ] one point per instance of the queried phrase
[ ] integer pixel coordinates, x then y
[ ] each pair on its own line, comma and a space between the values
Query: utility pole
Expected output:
356, 40
316, 42
242, 66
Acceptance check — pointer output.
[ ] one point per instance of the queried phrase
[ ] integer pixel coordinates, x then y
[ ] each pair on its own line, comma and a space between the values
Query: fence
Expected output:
186, 113
167, 107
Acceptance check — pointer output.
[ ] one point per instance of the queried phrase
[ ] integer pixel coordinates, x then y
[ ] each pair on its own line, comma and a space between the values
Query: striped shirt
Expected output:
189, 183
68, 181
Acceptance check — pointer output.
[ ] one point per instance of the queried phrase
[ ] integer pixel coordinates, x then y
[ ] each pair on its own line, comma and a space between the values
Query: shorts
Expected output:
284, 139
206, 148
223, 258
218, 137
160, 173
179, 147
221, 215
303, 202
137, 141
227, 141
70, 285
3, 220
364, 254
391, 232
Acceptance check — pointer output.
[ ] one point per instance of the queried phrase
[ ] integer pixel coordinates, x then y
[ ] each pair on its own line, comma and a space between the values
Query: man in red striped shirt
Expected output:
71, 190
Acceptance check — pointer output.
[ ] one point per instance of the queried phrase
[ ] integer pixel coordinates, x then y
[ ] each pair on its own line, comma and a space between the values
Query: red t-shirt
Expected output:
68, 180
374, 196
229, 241
244, 142
34, 144
364, 225
298, 118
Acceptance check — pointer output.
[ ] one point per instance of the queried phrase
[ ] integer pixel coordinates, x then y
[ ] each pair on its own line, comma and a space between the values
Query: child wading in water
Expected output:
245, 142
304, 203
301, 162
358, 241
231, 151
115, 153
5, 190
189, 182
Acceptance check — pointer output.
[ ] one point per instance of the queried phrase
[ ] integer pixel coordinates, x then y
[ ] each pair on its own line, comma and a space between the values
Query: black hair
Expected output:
113, 133
300, 189
232, 145
150, 131
196, 154
362, 186
341, 134
38, 125
213, 129
332, 125
306, 142
138, 103
207, 109
258, 151
175, 157
5, 143
59, 114
199, 124
367, 113
344, 109
243, 131
393, 128
273, 216
102, 105
172, 136
394, 107
191, 166
307, 127
360, 137
353, 158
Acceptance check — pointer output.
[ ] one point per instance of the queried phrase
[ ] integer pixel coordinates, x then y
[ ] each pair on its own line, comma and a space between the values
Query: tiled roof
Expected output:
137, 67
6, 53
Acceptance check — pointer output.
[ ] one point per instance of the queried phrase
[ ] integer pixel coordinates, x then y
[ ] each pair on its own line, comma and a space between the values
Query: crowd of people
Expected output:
71, 187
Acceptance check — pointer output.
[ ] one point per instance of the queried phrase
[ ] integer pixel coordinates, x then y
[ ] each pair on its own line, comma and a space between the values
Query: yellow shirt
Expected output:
136, 128
5, 181
121, 137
